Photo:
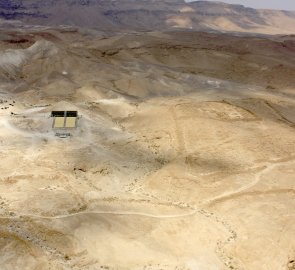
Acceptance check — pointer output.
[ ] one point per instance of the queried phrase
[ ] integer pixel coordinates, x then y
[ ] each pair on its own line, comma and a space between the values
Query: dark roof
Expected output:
64, 113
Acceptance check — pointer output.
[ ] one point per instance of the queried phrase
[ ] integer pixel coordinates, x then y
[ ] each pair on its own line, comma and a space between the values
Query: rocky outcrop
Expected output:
149, 15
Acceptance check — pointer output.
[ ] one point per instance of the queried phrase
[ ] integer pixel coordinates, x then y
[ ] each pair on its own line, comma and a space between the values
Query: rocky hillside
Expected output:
146, 15
182, 159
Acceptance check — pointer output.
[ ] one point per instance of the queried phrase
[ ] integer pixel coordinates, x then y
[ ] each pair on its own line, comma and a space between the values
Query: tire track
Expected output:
178, 132
227, 195
254, 193
228, 261
119, 213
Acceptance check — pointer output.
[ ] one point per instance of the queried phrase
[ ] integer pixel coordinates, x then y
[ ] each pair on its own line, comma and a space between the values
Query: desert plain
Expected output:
183, 157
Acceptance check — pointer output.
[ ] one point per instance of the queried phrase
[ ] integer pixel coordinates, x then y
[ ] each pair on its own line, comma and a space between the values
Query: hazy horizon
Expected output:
264, 4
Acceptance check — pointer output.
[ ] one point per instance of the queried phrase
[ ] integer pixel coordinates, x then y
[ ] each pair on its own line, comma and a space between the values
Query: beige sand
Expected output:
183, 158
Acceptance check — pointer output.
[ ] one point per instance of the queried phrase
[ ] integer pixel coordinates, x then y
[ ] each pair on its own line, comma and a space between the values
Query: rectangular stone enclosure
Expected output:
64, 119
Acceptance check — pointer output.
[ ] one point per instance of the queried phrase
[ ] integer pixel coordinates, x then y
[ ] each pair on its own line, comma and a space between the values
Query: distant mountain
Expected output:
147, 15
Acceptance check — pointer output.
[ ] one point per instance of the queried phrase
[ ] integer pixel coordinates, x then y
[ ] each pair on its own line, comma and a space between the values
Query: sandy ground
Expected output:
178, 162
